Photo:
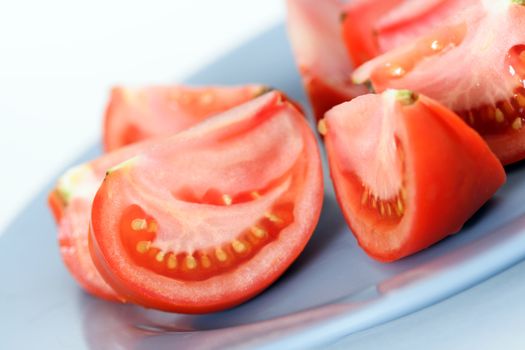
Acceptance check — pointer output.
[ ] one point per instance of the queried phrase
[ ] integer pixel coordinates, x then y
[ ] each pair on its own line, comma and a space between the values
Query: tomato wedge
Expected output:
406, 170
475, 67
315, 35
135, 114
70, 201
208, 218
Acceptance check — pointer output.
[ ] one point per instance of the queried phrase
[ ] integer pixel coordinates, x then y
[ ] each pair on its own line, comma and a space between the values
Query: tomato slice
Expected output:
315, 35
210, 217
135, 114
70, 202
358, 27
406, 170
475, 67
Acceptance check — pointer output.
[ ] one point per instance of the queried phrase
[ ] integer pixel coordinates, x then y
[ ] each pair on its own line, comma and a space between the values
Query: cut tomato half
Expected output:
70, 201
210, 217
315, 35
135, 114
475, 67
406, 170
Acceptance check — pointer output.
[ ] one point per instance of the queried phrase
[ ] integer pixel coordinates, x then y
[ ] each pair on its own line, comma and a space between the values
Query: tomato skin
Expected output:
70, 203
147, 288
55, 205
314, 30
323, 96
75, 254
135, 114
74, 251
450, 174
509, 148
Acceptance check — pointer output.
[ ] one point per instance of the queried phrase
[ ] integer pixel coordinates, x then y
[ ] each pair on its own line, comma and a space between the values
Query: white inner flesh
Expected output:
367, 142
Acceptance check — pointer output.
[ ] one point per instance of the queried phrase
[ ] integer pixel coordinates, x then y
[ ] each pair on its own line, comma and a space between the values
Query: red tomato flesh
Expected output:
210, 217
407, 171
359, 34
475, 67
415, 18
135, 114
373, 27
315, 36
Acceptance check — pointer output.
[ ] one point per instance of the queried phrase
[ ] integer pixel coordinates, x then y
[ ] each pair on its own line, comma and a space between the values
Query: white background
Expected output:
58, 60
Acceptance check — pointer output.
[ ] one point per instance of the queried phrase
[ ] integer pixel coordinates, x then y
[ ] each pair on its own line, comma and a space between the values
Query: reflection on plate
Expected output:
333, 289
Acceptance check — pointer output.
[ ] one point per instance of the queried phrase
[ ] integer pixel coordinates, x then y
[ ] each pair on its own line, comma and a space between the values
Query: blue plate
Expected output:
332, 290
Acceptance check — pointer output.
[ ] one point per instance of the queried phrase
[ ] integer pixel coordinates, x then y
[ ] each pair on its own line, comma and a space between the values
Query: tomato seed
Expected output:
205, 261
517, 124
258, 231
273, 218
138, 224
384, 207
227, 199
500, 117
160, 256
238, 246
143, 246
172, 262
221, 254
191, 263
400, 209
152, 227
322, 128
